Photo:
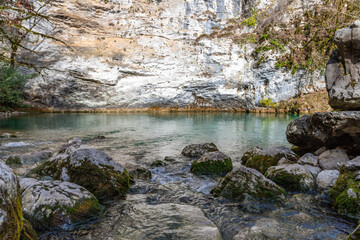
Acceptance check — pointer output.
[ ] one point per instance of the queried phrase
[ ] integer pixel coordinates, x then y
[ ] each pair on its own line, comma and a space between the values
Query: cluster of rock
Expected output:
339, 130
72, 184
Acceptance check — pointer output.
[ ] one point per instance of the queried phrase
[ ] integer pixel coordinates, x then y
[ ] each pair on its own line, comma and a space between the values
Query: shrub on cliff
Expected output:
11, 87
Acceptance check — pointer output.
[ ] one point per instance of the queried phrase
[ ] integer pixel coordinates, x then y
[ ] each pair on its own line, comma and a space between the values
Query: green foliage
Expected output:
11, 87
267, 102
250, 22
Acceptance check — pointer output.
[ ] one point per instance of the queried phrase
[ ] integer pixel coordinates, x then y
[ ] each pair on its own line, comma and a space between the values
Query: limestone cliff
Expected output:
144, 53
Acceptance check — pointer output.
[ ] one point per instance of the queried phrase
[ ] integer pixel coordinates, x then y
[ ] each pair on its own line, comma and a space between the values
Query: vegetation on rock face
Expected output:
345, 194
11, 87
19, 20
302, 41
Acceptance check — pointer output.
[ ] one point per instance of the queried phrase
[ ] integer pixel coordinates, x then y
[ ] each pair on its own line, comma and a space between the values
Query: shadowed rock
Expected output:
343, 70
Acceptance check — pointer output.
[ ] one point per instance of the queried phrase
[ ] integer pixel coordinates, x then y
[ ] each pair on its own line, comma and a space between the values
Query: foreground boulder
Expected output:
11, 218
56, 204
244, 181
197, 150
212, 163
330, 129
343, 70
261, 159
89, 168
292, 177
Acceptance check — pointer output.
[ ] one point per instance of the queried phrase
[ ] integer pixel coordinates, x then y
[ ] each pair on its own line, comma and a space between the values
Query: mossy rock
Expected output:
56, 204
246, 181
90, 168
262, 159
11, 222
212, 163
292, 177
28, 233
345, 194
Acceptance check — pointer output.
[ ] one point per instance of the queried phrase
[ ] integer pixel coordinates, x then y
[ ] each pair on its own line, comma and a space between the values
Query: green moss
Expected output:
288, 181
212, 167
267, 102
102, 182
14, 160
84, 210
343, 203
28, 233
250, 22
262, 162
13, 226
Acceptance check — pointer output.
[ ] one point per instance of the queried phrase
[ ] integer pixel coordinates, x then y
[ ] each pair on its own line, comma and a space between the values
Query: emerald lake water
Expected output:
140, 139
143, 137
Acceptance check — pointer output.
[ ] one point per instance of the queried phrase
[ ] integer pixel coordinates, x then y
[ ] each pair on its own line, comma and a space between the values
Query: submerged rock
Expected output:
212, 163
246, 181
292, 177
90, 168
138, 172
330, 129
11, 218
261, 159
56, 204
29, 159
330, 159
264, 228
158, 163
161, 221
343, 70
197, 150
326, 179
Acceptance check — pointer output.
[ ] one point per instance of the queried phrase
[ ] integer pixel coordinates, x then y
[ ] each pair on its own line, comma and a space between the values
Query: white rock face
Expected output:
140, 54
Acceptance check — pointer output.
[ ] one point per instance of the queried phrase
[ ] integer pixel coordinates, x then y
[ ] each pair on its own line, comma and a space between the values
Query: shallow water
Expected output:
141, 138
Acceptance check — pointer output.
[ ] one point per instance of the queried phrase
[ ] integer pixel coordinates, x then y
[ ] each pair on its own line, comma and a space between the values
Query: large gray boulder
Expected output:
90, 168
343, 70
10, 207
56, 204
329, 129
243, 182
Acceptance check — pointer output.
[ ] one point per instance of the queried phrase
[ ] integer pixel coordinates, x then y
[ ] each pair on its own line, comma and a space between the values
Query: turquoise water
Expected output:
141, 137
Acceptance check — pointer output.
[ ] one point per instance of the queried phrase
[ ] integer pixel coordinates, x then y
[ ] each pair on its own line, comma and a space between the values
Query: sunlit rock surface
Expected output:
141, 54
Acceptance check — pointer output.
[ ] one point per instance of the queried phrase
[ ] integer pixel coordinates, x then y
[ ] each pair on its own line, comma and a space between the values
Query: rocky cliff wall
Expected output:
140, 54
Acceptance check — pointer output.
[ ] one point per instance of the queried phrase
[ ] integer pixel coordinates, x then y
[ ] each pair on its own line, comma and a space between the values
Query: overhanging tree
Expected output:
20, 19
